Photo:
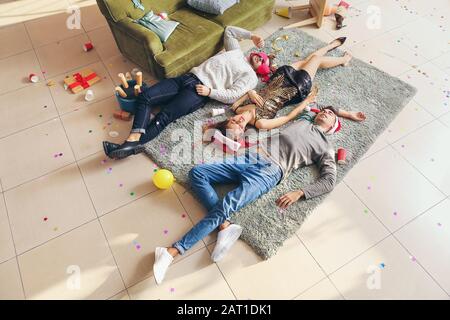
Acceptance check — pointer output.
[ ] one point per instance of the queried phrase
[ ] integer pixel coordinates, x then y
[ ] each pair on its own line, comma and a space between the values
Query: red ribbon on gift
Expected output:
82, 81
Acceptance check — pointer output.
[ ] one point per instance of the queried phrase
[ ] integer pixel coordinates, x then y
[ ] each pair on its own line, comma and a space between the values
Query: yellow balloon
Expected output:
163, 179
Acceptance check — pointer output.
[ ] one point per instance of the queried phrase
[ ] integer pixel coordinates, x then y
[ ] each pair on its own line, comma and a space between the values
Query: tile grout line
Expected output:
418, 170
96, 213
206, 245
420, 264
321, 268
55, 117
16, 257
152, 276
392, 233
86, 188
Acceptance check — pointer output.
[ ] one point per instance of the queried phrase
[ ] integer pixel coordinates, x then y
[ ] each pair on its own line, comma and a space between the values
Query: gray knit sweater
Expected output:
300, 144
228, 74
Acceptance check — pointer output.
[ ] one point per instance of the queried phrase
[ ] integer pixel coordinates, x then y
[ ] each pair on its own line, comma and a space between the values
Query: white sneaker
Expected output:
163, 259
225, 240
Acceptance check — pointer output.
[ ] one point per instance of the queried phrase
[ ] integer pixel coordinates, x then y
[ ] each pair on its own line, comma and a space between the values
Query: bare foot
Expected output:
348, 56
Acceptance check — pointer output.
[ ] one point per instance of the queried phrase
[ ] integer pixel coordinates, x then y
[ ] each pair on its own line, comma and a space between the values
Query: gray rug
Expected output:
356, 87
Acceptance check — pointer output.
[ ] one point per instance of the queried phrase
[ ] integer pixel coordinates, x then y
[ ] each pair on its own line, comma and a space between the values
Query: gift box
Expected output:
81, 80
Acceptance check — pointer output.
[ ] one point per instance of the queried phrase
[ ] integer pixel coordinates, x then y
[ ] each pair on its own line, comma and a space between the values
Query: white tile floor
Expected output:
65, 210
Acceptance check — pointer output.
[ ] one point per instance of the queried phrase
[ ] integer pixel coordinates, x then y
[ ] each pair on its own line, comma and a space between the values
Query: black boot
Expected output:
109, 147
126, 149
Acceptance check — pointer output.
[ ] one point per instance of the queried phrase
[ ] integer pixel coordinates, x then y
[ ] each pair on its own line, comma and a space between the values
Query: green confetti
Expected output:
132, 194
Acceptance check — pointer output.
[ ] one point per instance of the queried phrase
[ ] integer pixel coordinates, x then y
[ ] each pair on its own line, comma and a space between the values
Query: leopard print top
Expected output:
276, 95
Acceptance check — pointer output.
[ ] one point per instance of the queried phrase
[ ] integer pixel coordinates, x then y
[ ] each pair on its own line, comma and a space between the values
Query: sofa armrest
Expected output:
141, 34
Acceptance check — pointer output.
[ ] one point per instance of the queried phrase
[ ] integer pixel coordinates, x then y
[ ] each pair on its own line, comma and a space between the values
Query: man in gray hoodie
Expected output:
300, 144
224, 77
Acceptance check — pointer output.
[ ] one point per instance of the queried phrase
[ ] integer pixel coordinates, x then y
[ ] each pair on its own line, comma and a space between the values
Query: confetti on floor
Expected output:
183, 215
120, 185
166, 231
56, 155
366, 211
172, 289
439, 224
413, 259
382, 265
131, 193
395, 213
45, 219
109, 170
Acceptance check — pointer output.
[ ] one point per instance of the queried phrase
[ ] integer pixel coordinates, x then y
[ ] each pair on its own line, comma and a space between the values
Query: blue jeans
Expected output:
176, 96
255, 174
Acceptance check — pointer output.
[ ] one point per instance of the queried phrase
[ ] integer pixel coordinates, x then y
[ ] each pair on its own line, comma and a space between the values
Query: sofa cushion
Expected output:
212, 6
161, 27
116, 10
192, 32
241, 13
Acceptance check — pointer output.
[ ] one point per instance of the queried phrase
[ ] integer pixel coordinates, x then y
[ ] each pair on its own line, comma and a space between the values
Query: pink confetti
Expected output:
121, 185
104, 161
183, 215
138, 247
172, 289
166, 231
439, 224
395, 213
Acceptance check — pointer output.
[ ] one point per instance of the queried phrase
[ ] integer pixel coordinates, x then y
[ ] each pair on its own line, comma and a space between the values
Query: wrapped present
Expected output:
81, 80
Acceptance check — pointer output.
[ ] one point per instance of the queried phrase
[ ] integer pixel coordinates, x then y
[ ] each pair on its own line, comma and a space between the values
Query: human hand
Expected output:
256, 98
289, 198
257, 41
235, 105
358, 116
202, 90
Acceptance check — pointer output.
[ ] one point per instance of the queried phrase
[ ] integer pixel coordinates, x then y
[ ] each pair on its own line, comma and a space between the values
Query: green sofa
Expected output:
198, 36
